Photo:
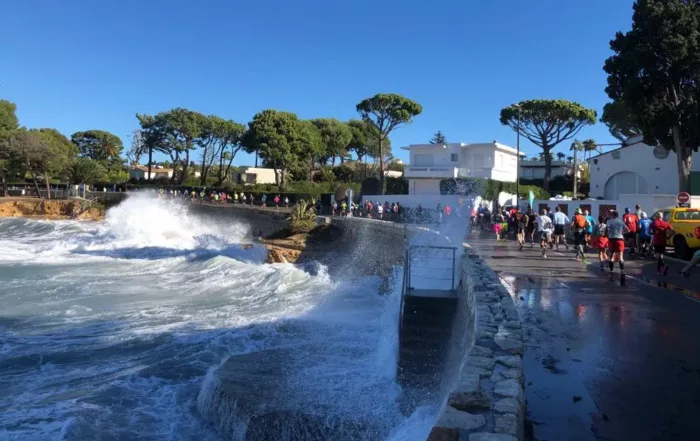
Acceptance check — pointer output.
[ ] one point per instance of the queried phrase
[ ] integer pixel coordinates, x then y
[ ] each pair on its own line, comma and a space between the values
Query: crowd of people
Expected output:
609, 235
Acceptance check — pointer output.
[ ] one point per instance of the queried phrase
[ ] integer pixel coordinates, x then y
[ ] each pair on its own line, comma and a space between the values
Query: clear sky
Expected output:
80, 65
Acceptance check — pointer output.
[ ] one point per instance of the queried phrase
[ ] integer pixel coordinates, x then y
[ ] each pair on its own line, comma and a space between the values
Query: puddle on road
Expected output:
694, 295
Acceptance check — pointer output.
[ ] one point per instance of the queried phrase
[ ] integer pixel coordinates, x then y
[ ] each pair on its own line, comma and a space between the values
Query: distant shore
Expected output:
48, 209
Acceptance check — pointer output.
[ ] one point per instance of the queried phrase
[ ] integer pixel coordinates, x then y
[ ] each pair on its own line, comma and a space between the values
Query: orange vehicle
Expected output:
686, 230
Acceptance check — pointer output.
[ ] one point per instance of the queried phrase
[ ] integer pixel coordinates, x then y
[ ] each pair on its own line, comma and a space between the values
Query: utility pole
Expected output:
575, 171
517, 164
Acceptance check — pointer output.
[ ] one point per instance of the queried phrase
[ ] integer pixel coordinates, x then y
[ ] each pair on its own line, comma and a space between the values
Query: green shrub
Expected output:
370, 186
344, 173
395, 186
302, 219
325, 174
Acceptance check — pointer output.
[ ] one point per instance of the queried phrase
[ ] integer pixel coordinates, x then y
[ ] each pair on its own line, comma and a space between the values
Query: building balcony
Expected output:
431, 172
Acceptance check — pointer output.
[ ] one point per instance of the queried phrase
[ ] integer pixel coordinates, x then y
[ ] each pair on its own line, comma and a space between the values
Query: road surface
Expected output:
603, 362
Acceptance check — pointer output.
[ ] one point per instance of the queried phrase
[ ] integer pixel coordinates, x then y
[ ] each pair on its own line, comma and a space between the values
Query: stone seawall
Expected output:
258, 219
486, 401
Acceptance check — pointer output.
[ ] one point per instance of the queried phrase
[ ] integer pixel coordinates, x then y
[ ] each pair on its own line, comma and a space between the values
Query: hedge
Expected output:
488, 188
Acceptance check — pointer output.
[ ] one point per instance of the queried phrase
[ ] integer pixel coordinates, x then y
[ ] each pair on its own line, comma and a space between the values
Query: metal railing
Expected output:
408, 274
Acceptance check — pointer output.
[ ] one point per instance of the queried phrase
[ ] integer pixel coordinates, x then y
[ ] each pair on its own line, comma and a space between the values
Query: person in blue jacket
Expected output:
589, 229
644, 228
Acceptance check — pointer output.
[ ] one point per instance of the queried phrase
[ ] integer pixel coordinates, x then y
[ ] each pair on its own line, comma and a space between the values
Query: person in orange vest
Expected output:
631, 220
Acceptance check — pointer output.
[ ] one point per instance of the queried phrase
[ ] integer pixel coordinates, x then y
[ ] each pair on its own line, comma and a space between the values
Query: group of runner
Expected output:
610, 236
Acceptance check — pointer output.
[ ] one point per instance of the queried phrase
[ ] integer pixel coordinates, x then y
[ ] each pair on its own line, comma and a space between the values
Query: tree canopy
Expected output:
335, 137
386, 112
547, 123
8, 118
654, 74
438, 138
281, 140
365, 139
98, 145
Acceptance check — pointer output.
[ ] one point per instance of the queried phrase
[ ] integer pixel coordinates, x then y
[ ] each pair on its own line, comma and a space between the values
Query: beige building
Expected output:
157, 172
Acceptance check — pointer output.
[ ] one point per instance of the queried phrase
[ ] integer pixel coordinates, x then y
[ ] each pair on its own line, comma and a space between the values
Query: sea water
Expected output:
109, 330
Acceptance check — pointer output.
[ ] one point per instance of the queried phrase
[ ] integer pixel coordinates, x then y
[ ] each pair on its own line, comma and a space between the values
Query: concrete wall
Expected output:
656, 176
267, 221
486, 399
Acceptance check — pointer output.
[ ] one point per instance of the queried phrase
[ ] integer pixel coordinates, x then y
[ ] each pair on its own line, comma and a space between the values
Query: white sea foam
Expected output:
109, 329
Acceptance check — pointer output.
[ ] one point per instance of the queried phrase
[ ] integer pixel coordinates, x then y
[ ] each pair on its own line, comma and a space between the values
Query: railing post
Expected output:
453, 268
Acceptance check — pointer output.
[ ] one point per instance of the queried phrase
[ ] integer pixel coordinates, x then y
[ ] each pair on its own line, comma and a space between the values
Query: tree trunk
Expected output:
48, 187
333, 161
150, 162
277, 177
311, 170
683, 160
203, 175
185, 165
4, 182
547, 166
36, 184
381, 166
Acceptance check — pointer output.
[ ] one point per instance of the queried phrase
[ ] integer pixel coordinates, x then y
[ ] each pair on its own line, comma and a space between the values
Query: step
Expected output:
417, 319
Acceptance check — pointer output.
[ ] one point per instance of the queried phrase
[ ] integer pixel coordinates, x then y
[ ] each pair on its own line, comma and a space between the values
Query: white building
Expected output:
253, 175
157, 171
535, 169
638, 168
431, 163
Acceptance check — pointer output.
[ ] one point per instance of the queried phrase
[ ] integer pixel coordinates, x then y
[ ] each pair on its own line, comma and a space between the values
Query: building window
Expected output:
454, 157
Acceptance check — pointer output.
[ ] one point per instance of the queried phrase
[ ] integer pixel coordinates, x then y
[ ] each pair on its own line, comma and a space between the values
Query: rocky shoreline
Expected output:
285, 246
46, 209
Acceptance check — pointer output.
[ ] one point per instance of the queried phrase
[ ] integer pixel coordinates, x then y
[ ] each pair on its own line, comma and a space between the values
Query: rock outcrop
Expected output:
48, 209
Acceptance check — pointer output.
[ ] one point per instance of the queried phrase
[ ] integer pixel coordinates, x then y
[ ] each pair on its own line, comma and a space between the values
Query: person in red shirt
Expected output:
660, 230
631, 221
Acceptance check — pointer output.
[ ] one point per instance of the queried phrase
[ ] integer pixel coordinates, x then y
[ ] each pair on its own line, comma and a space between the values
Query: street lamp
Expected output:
517, 161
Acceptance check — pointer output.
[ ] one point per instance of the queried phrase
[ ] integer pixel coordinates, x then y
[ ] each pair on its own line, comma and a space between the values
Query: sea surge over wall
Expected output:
124, 329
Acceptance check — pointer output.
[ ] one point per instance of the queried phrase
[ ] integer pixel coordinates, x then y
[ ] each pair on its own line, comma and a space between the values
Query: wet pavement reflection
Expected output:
602, 362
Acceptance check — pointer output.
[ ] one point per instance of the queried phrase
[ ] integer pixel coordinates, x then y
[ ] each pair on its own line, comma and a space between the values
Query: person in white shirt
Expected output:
560, 222
544, 229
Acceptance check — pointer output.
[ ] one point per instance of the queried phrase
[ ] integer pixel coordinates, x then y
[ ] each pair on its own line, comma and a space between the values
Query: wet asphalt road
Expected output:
603, 362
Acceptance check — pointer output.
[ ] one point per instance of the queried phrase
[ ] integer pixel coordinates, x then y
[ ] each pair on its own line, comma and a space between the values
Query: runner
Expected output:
579, 225
263, 199
693, 262
497, 223
644, 229
616, 230
631, 221
523, 222
589, 230
544, 229
600, 241
531, 226
660, 230
639, 212
560, 222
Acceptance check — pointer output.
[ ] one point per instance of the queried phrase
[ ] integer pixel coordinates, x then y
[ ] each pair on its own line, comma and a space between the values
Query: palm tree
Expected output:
560, 156
589, 146
570, 159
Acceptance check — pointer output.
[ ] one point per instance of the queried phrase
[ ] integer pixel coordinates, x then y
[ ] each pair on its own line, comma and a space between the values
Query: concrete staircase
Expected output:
424, 330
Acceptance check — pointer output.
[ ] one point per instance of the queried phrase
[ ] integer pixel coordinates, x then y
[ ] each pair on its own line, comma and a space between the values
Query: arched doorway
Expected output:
625, 183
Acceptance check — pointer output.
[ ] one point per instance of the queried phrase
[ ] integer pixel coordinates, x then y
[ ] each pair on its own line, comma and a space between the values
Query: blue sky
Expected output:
79, 65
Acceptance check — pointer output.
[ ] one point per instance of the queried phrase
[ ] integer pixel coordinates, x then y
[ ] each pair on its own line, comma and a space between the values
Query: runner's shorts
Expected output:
558, 230
629, 236
579, 238
545, 236
602, 243
660, 249
617, 245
